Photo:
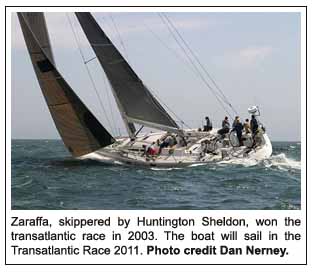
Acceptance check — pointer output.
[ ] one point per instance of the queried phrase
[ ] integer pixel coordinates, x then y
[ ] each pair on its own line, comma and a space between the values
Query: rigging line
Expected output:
170, 49
109, 103
169, 109
125, 51
119, 35
88, 71
114, 26
168, 24
196, 68
200, 64
197, 60
178, 57
107, 87
198, 72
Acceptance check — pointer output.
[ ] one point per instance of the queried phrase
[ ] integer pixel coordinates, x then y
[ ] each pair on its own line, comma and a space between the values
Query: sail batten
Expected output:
134, 100
81, 132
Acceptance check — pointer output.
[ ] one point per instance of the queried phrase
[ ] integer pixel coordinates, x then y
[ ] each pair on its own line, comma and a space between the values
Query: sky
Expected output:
253, 57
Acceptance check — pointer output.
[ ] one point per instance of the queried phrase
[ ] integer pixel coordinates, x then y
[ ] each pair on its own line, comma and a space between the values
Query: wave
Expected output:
279, 161
165, 169
282, 162
197, 164
101, 158
247, 162
23, 184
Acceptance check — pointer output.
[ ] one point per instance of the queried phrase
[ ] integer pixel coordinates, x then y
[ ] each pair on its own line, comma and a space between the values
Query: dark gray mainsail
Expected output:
136, 103
81, 132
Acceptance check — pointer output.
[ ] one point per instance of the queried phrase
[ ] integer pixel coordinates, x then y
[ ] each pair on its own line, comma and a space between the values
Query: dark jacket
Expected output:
238, 127
225, 124
254, 125
208, 123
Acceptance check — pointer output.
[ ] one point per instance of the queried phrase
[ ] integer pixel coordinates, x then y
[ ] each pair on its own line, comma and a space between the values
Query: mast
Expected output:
134, 100
81, 132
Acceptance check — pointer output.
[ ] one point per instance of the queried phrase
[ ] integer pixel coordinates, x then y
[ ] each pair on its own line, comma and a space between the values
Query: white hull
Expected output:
127, 152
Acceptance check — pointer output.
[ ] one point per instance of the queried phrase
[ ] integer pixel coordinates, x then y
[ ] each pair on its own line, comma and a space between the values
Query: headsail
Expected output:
134, 100
80, 130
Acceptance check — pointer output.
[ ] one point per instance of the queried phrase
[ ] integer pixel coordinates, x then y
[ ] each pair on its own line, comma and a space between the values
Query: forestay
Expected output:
134, 100
80, 130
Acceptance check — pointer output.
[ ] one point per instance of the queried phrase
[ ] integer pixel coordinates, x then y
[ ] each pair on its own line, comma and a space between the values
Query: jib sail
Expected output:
81, 132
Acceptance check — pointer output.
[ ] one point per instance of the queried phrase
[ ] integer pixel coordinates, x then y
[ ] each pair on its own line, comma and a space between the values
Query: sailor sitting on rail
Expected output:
225, 127
152, 150
169, 141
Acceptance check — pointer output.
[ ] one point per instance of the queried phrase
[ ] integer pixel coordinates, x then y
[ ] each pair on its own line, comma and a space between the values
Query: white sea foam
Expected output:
101, 158
176, 168
279, 161
118, 162
243, 161
282, 162
164, 169
197, 164
92, 156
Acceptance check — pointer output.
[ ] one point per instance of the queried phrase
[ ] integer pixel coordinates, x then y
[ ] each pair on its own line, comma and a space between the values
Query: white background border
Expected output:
142, 268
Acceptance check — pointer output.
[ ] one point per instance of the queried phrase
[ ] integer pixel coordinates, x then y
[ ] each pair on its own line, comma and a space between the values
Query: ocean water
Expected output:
44, 176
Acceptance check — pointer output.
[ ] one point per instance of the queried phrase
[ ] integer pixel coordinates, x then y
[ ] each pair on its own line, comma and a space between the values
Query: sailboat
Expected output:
85, 137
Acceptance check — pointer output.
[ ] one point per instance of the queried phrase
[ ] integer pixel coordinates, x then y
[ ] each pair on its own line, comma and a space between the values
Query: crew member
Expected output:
239, 130
151, 150
253, 125
247, 126
208, 125
225, 126
168, 141
234, 122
